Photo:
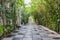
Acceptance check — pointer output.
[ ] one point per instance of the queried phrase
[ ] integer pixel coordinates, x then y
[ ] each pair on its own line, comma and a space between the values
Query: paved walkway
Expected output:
33, 32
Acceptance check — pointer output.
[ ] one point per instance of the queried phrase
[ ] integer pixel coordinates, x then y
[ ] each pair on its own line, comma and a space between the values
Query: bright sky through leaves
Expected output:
27, 3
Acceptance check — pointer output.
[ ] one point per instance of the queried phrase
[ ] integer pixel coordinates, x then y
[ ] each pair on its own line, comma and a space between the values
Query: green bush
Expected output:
1, 30
10, 27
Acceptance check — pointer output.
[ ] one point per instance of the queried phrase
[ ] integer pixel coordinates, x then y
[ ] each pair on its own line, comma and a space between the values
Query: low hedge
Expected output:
7, 29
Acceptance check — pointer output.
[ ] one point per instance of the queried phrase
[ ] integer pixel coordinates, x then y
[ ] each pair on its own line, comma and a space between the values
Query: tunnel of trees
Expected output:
44, 12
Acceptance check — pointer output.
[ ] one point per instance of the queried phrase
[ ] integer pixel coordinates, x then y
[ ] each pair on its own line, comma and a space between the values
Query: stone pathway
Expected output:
32, 32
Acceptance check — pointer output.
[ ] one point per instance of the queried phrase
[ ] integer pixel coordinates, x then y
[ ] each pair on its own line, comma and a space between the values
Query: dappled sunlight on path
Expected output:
32, 31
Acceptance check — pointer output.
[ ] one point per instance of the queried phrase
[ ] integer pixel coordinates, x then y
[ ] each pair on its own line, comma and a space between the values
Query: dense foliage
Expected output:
8, 15
46, 12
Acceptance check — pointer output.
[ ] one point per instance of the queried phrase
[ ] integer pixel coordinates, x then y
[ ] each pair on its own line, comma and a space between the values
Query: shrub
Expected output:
1, 30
